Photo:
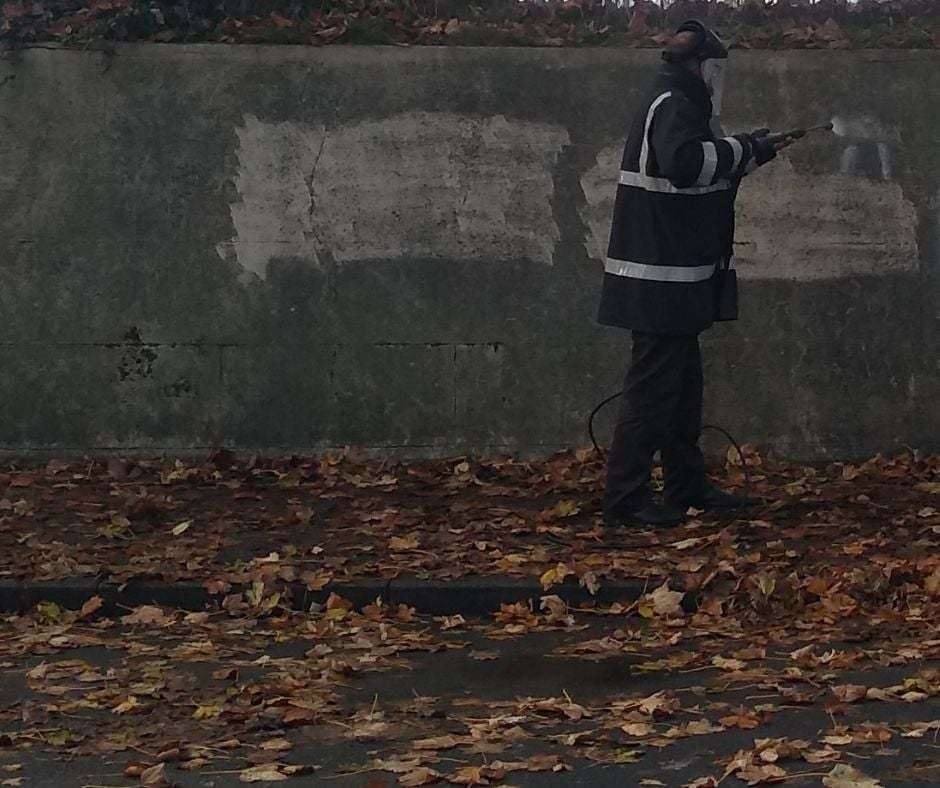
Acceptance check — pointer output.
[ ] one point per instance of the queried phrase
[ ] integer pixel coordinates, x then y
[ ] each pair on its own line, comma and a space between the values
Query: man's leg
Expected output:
683, 462
651, 395
685, 481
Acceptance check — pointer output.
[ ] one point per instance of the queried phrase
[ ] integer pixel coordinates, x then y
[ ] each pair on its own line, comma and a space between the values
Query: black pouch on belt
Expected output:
726, 292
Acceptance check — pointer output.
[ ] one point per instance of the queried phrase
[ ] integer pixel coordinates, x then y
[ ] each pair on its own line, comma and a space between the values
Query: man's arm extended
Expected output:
689, 156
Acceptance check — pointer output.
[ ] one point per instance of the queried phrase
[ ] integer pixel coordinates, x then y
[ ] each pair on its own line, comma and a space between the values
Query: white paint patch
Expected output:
272, 214
415, 185
599, 185
866, 137
804, 226
864, 127
884, 158
791, 225
440, 185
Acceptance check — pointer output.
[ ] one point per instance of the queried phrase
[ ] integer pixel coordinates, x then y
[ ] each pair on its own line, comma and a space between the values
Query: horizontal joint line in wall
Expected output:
420, 344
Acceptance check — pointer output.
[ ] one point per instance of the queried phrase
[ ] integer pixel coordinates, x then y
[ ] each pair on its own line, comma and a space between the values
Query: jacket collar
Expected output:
674, 76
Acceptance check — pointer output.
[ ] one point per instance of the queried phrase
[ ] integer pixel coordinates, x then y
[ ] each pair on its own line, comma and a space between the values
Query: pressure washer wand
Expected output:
797, 134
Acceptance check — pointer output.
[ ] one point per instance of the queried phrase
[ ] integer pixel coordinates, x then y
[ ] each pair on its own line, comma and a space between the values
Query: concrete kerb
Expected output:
477, 596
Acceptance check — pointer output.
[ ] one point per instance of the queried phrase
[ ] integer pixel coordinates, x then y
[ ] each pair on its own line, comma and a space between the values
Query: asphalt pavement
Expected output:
488, 674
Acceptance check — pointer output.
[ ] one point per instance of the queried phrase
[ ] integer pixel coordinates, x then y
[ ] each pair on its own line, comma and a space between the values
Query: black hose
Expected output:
594, 412
722, 430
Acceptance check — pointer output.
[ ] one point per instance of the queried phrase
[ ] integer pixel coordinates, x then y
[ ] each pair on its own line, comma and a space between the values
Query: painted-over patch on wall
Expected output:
791, 225
272, 214
794, 226
429, 185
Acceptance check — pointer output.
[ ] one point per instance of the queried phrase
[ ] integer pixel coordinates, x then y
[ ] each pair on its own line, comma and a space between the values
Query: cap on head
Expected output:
694, 41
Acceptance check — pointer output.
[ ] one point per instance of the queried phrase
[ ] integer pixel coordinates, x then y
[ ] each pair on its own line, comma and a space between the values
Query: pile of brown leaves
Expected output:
827, 545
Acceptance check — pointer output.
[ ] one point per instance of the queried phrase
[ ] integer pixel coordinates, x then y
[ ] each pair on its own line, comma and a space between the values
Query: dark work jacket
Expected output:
674, 211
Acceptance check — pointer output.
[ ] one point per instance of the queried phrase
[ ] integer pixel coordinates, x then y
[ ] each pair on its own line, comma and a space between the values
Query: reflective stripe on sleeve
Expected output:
738, 150
642, 179
659, 273
709, 164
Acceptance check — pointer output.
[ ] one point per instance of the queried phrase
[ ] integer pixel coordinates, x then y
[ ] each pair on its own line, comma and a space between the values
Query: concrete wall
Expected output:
296, 247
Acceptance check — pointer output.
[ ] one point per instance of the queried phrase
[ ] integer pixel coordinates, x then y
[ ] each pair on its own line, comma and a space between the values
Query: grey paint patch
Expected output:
791, 225
433, 185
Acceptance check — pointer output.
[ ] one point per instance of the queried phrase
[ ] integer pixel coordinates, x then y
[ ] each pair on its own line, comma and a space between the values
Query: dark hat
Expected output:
694, 41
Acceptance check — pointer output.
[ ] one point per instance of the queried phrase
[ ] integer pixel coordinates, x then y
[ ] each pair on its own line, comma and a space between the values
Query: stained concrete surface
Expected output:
295, 248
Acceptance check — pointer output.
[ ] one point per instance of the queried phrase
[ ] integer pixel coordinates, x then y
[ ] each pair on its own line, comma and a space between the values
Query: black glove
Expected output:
762, 148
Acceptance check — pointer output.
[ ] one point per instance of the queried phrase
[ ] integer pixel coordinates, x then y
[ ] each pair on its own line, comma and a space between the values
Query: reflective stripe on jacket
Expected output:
673, 213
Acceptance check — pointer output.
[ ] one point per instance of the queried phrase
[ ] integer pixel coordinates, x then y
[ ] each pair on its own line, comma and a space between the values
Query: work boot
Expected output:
649, 515
714, 499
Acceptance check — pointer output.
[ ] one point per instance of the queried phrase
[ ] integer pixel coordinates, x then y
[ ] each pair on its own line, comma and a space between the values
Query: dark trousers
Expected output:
661, 410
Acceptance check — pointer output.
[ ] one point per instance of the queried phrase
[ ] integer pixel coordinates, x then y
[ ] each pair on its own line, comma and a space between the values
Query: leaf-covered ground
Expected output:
812, 657
837, 543
384, 697
786, 24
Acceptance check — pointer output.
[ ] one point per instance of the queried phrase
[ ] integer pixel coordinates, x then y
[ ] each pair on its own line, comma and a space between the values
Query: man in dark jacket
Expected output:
672, 228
